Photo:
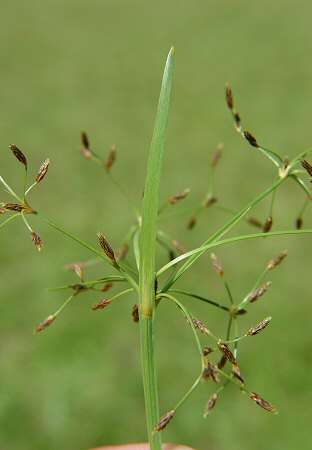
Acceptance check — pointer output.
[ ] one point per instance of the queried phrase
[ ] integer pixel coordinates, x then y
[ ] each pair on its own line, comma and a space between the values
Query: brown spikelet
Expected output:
222, 362
263, 403
217, 155
180, 196
135, 313
207, 351
307, 166
299, 223
268, 224
237, 120
43, 170
224, 349
106, 287
229, 97
210, 405
13, 207
217, 265
253, 296
277, 260
251, 139
45, 323
237, 374
37, 241
101, 304
85, 140
78, 270
214, 373
179, 246
209, 201
2, 211
111, 158
105, 246
199, 325
191, 223
18, 154
86, 153
122, 252
254, 222
255, 329
164, 420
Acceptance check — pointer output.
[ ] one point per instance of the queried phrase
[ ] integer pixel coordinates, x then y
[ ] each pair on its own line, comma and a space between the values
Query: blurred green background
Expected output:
68, 66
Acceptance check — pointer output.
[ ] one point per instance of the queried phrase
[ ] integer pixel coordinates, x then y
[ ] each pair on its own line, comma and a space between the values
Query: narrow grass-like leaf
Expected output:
200, 250
151, 192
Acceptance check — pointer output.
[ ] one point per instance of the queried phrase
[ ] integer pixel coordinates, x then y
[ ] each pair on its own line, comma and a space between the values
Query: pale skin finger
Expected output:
143, 447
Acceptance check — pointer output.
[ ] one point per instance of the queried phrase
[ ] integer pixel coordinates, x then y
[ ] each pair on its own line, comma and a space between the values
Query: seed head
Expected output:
217, 155
78, 270
237, 374
37, 241
207, 351
268, 224
251, 139
263, 403
214, 373
199, 325
277, 260
210, 405
226, 352
307, 166
253, 296
106, 247
101, 304
191, 224
209, 201
254, 222
299, 223
86, 153
43, 170
229, 97
12, 207
135, 313
85, 140
237, 121
111, 158
19, 154
179, 246
165, 419
106, 287
180, 196
45, 323
217, 265
222, 362
122, 252
259, 327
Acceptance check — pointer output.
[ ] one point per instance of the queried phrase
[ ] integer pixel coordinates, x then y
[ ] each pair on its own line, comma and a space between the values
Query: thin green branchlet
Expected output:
136, 265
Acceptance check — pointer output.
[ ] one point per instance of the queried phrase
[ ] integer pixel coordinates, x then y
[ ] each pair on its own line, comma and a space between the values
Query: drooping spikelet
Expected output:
45, 323
259, 327
277, 260
262, 403
210, 405
101, 304
18, 154
227, 352
105, 246
43, 170
164, 420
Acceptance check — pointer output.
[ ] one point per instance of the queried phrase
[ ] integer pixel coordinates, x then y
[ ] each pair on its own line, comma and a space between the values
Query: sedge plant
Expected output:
141, 274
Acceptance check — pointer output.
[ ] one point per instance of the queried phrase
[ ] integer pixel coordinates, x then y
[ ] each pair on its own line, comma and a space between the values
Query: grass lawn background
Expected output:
97, 66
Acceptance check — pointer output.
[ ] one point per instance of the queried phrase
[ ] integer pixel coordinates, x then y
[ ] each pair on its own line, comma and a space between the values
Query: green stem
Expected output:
147, 325
9, 220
